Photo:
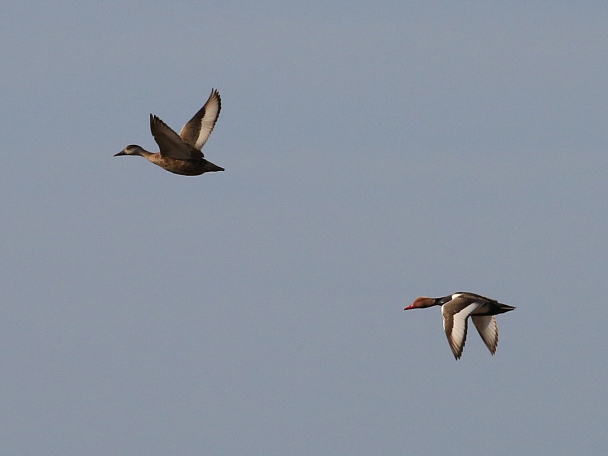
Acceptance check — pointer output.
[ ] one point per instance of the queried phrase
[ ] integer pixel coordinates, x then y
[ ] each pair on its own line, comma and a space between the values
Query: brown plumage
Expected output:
456, 309
181, 154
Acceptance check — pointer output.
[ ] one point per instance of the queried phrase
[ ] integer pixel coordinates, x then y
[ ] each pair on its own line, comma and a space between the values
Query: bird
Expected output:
181, 154
456, 309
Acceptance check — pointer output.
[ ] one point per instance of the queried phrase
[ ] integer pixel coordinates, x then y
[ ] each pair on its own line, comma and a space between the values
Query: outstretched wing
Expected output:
455, 314
197, 130
488, 330
170, 144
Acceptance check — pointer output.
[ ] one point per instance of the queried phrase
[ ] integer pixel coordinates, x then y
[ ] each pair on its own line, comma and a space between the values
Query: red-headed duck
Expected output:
181, 154
456, 309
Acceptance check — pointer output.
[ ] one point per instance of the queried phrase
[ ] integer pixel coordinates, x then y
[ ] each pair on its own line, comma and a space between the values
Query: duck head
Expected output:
422, 302
133, 149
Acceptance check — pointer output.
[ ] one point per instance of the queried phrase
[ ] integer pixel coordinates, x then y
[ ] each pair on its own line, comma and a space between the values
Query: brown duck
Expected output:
456, 310
181, 154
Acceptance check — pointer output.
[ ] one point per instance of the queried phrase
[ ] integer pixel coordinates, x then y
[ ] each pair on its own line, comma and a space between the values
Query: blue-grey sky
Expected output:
374, 152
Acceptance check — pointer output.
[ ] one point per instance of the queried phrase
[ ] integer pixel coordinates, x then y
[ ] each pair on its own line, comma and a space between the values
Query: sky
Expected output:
374, 152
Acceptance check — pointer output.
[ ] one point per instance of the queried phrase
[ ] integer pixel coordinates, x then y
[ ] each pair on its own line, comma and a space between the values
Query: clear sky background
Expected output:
374, 152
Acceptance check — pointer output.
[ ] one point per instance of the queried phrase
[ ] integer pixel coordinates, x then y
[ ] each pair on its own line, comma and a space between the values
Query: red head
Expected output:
421, 302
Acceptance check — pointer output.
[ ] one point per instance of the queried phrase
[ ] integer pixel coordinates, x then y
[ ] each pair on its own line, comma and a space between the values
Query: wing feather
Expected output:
488, 330
455, 322
170, 144
197, 130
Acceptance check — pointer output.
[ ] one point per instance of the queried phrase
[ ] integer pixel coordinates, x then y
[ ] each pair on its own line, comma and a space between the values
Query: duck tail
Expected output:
210, 167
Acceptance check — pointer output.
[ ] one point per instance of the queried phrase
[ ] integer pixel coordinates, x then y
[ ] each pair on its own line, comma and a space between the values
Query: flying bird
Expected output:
181, 154
456, 309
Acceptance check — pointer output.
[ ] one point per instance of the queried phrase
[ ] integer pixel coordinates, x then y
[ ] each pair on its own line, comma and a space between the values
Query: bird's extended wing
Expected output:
170, 144
455, 314
488, 330
197, 130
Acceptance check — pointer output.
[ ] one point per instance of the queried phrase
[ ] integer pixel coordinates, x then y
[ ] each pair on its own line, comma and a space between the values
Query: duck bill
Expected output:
409, 307
122, 152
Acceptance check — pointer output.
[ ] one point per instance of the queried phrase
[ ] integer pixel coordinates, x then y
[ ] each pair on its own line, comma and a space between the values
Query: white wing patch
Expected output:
455, 326
488, 330
197, 130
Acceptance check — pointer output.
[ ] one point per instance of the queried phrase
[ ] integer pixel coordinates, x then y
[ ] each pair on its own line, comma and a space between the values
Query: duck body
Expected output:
456, 310
189, 167
181, 154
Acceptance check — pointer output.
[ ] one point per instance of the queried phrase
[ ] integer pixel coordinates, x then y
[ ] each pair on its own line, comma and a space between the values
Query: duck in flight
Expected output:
181, 154
456, 310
